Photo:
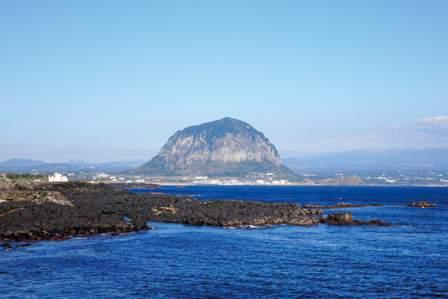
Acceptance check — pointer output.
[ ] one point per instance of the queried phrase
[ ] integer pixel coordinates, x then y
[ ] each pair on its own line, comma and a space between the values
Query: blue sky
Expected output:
112, 80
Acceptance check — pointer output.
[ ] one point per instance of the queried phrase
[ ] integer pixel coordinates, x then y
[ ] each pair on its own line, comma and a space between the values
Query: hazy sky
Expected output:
112, 80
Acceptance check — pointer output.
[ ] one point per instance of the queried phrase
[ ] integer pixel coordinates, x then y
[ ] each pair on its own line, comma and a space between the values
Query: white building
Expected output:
102, 175
57, 177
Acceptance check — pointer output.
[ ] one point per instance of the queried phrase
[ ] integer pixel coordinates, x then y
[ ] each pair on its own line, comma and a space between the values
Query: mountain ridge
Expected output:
391, 159
36, 166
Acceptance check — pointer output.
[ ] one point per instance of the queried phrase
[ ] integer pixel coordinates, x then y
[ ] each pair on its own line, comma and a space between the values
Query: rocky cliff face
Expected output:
226, 147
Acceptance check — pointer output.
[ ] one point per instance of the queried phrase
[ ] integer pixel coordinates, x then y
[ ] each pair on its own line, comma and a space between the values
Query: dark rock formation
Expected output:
422, 204
20, 182
341, 205
230, 213
339, 219
347, 219
226, 147
60, 211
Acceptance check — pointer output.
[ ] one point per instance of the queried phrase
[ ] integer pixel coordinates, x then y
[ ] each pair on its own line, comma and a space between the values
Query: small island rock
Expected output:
422, 204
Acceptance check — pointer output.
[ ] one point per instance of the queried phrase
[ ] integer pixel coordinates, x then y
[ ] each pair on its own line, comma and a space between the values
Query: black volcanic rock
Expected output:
342, 205
422, 204
61, 211
346, 218
226, 147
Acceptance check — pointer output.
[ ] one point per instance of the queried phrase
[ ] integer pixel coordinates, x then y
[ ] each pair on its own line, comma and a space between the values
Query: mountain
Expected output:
41, 167
226, 147
21, 163
393, 159
17, 165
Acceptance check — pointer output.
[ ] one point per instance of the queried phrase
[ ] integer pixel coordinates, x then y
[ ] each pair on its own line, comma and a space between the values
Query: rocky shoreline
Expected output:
61, 211
342, 205
346, 218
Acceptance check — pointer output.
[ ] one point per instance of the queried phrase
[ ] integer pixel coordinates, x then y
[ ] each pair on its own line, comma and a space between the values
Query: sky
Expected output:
113, 80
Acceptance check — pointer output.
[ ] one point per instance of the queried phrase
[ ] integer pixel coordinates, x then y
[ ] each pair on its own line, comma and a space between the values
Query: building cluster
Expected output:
263, 179
57, 178
267, 180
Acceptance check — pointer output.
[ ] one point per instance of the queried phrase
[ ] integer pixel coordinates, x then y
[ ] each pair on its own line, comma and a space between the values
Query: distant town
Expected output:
348, 178
119, 172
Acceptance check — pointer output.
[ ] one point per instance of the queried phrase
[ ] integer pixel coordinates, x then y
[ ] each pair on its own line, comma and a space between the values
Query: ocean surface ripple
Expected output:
407, 259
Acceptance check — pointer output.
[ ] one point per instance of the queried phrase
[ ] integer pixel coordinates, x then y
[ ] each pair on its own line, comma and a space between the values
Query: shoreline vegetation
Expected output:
31, 211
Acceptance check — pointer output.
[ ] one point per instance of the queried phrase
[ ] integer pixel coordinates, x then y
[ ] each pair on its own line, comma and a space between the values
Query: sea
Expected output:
408, 259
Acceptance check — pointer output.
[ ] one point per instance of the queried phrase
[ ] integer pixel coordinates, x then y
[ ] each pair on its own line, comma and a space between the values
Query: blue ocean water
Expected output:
408, 259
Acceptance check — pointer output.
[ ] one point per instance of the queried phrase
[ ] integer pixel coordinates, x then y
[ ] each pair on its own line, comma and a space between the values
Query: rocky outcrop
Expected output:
60, 211
422, 204
6, 184
231, 213
17, 182
226, 147
342, 205
34, 197
346, 218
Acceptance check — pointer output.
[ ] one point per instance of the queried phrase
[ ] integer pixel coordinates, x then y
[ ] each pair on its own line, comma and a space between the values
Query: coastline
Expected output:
301, 185
65, 210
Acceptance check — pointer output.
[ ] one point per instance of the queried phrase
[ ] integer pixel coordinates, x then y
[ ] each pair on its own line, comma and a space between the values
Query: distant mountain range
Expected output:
30, 166
225, 147
408, 159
